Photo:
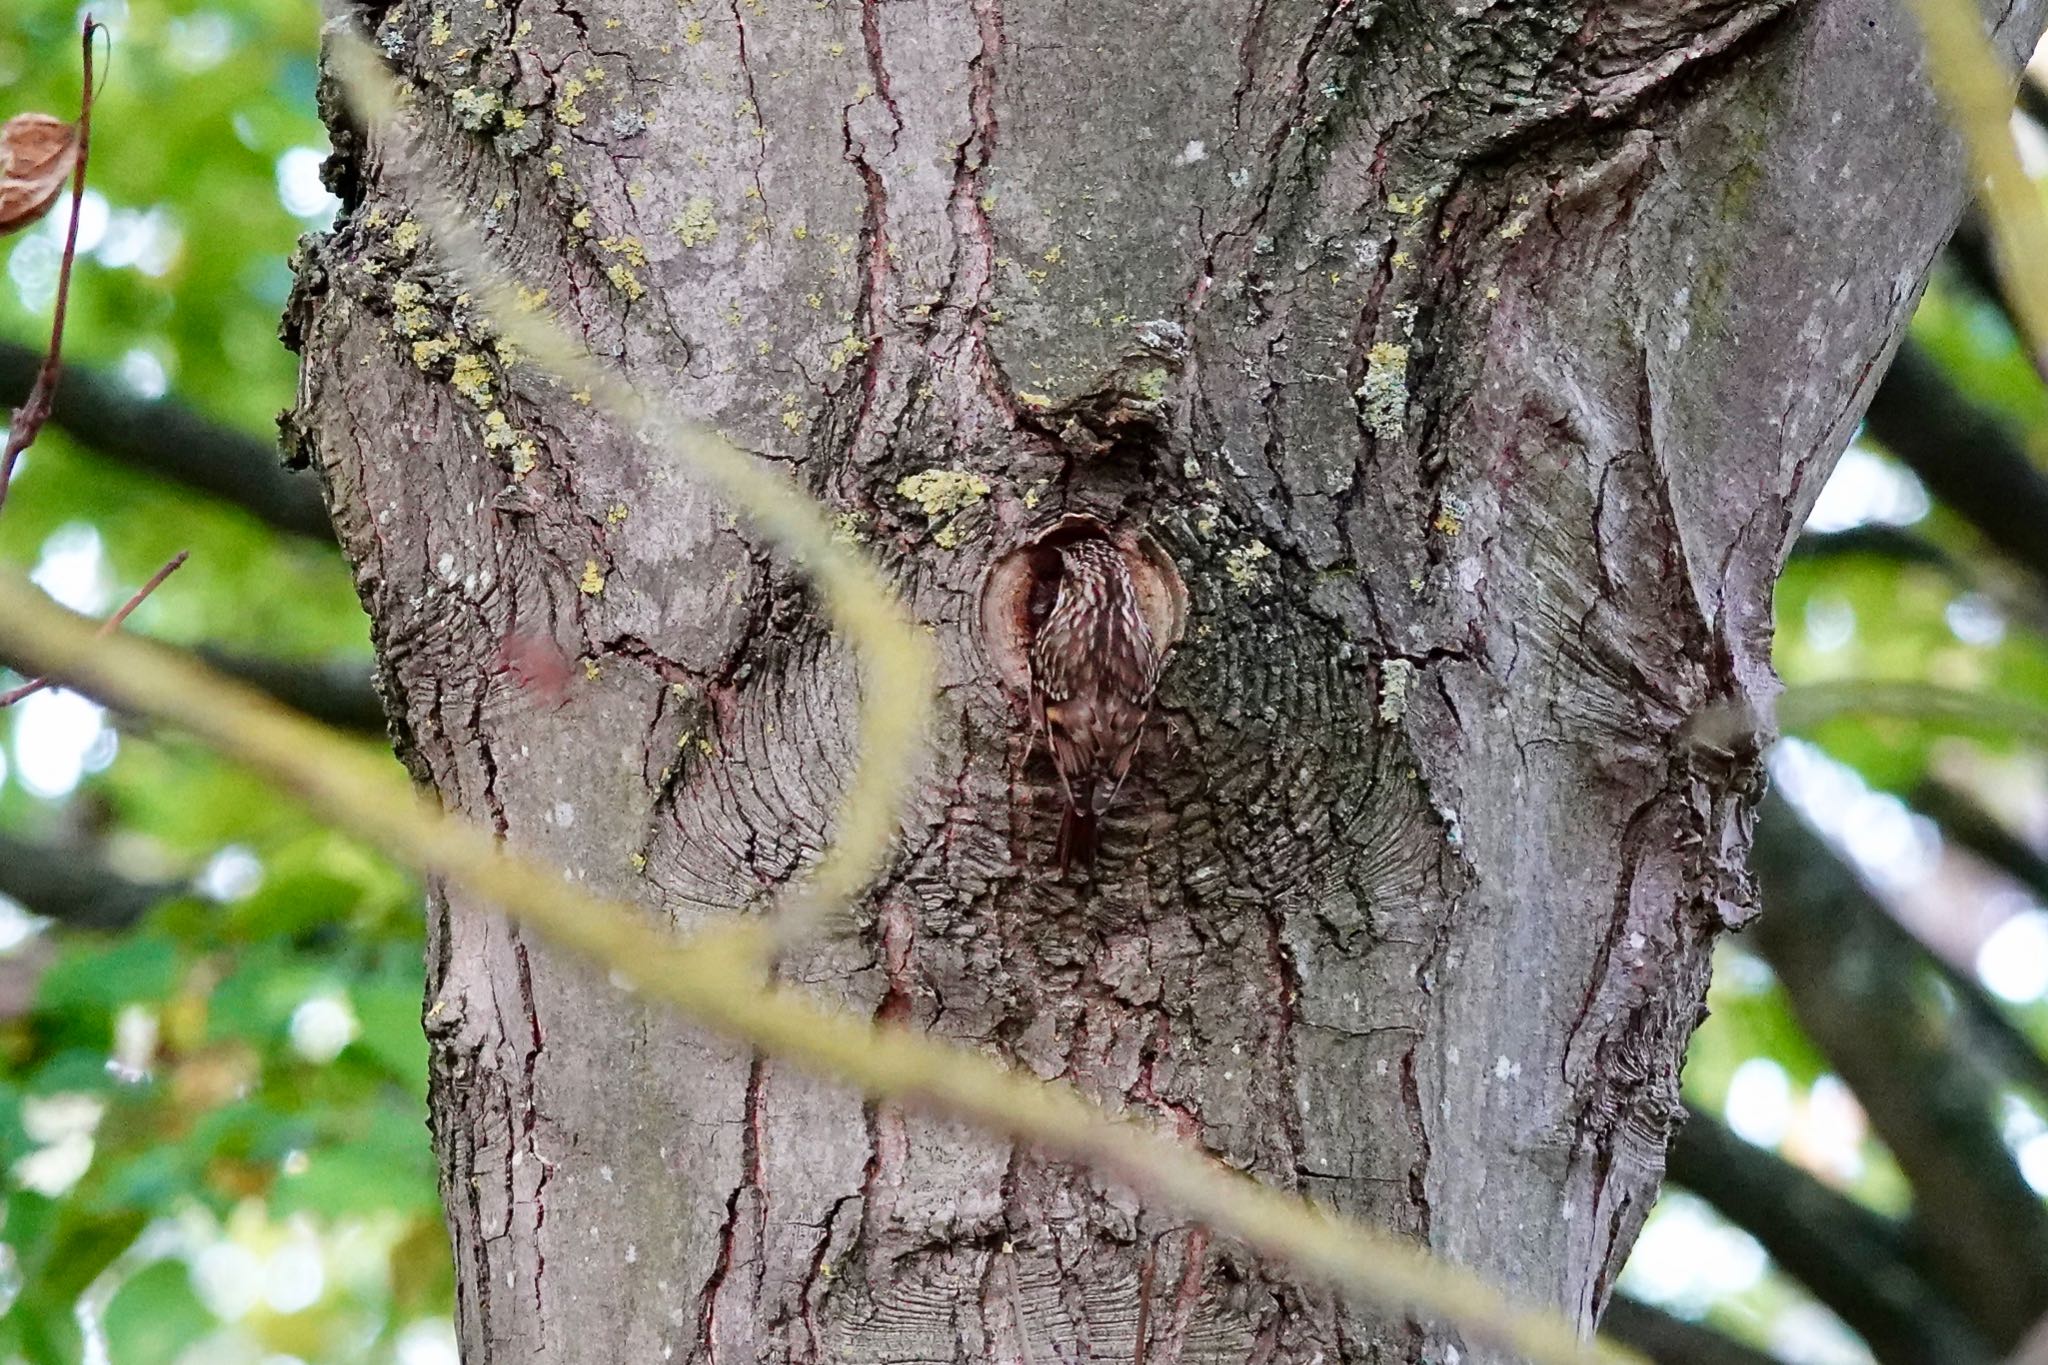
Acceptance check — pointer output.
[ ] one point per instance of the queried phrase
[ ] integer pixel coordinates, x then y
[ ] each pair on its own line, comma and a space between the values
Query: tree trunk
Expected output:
1474, 367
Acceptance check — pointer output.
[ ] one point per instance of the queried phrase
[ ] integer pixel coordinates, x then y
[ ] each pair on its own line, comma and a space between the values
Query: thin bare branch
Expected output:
25, 423
111, 624
1809, 704
168, 439
716, 978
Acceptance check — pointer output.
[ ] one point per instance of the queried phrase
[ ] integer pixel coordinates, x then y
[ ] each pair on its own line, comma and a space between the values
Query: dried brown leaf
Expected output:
37, 154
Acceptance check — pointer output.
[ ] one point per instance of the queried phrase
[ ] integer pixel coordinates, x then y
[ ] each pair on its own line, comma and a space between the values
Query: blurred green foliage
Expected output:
245, 1069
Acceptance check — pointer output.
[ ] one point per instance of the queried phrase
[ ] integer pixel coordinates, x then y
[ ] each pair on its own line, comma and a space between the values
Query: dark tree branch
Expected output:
2033, 100
1966, 456
1852, 1259
74, 888
339, 693
1977, 830
343, 695
1670, 1340
1993, 1032
165, 438
1883, 542
2019, 596
1857, 985
1970, 252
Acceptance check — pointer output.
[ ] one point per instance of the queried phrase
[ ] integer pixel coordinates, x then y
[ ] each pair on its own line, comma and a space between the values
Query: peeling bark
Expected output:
1475, 366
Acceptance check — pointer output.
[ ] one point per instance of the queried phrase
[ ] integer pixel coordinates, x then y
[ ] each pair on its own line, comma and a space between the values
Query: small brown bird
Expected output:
1093, 670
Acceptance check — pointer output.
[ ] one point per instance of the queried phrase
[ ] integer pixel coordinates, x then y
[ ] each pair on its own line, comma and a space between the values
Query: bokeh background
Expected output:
212, 1076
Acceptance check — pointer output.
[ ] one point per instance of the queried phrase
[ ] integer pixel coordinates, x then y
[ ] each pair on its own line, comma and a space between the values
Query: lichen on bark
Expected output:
1474, 369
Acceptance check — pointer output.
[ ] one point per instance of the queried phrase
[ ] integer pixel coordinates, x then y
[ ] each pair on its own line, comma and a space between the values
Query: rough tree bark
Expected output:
1475, 364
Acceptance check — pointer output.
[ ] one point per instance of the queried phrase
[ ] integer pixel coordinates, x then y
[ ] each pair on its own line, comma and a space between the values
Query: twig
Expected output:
1976, 87
108, 627
1952, 708
717, 979
25, 423
1806, 706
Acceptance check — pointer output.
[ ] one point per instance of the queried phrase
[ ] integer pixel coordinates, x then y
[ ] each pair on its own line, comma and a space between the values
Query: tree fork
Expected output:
1513, 349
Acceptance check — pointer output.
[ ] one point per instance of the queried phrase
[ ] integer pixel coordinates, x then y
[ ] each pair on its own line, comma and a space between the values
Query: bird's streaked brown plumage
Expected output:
1094, 666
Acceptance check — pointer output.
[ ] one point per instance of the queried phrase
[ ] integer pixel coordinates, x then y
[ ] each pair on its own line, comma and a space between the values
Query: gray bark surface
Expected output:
1518, 339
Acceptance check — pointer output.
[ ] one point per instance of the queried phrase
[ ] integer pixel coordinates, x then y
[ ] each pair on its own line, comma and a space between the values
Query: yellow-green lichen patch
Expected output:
942, 495
566, 111
942, 492
1245, 565
628, 247
624, 280
409, 314
405, 238
1397, 676
593, 579
846, 350
697, 223
846, 527
472, 378
1383, 397
476, 109
1450, 517
431, 351
499, 433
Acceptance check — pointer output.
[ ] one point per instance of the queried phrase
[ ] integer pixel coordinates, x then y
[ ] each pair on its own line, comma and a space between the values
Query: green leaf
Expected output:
389, 1011
93, 979
156, 1316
